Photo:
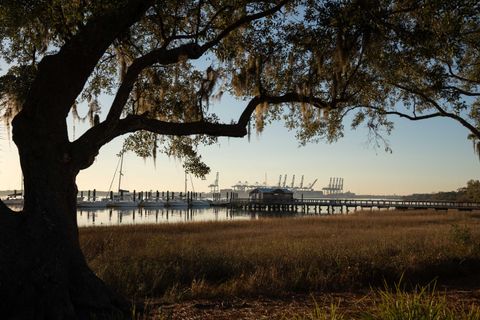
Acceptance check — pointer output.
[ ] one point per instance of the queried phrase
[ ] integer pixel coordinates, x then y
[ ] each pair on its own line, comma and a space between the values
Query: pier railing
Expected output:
356, 203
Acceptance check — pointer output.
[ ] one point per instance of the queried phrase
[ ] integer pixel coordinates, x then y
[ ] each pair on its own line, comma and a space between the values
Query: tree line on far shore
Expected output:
470, 193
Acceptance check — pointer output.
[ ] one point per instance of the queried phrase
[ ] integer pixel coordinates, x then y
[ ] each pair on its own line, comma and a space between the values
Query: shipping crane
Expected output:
335, 186
214, 186
312, 184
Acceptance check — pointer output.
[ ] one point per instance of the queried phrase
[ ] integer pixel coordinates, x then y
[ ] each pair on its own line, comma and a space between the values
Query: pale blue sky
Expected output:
428, 156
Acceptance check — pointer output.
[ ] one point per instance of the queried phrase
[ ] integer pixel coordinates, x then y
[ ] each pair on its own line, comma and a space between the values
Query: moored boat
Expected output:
177, 203
153, 203
199, 203
82, 203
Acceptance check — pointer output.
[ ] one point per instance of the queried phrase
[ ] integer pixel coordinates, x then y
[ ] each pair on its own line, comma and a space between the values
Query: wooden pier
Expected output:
345, 205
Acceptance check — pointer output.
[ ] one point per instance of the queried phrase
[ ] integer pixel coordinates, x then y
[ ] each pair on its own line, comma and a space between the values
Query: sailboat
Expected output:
195, 202
124, 198
93, 203
16, 198
153, 202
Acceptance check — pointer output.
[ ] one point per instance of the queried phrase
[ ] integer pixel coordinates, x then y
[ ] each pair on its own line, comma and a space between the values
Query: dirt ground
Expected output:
288, 307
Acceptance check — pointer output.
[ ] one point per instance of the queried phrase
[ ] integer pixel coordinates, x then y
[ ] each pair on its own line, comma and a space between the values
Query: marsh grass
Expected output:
272, 257
320, 313
399, 303
421, 303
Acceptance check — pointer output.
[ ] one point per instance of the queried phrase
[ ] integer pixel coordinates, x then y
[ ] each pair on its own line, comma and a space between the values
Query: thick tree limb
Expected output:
87, 146
109, 129
68, 70
165, 56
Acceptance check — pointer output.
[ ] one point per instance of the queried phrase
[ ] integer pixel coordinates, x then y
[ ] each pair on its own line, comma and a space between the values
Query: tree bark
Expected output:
43, 273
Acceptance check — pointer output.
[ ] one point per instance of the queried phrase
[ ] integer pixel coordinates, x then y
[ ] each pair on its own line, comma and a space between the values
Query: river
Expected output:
111, 216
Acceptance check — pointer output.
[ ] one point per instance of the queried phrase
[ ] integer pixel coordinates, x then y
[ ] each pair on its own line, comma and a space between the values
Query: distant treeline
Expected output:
471, 192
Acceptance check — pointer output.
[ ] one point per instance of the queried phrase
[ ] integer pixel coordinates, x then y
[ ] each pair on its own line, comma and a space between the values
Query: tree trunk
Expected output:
43, 273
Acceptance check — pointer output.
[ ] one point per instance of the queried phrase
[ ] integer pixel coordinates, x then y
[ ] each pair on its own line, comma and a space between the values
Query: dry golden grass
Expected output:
272, 257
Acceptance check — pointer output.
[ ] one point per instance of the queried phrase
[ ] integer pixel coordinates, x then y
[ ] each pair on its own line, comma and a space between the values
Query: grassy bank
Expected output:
273, 257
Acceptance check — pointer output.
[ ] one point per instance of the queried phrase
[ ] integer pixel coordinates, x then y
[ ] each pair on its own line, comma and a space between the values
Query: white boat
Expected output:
124, 198
177, 203
14, 199
123, 204
153, 203
82, 203
17, 201
123, 201
199, 203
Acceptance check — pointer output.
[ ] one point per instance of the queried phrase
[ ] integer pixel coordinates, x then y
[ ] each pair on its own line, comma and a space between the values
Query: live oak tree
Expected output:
307, 62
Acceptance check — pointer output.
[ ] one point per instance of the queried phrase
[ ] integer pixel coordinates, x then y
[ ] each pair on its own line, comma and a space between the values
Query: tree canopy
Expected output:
308, 62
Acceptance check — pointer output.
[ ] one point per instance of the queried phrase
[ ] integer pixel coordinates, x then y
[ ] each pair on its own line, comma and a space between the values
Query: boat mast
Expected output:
121, 174
185, 182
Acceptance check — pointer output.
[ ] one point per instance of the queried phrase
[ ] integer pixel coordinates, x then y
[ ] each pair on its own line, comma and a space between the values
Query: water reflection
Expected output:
117, 216
126, 216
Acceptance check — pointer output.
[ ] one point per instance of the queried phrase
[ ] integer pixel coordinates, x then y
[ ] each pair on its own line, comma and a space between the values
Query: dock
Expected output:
330, 206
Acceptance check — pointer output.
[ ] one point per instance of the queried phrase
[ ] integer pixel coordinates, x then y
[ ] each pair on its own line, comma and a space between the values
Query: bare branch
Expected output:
462, 91
199, 33
244, 20
440, 110
405, 115
456, 76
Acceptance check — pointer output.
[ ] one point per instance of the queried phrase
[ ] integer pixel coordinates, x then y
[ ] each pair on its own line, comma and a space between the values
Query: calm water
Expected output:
110, 216
128, 216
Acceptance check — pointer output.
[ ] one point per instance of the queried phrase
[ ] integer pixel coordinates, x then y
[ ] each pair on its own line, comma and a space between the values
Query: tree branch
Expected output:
440, 110
199, 32
87, 146
244, 20
68, 70
462, 91
160, 56
456, 76
407, 116
165, 56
